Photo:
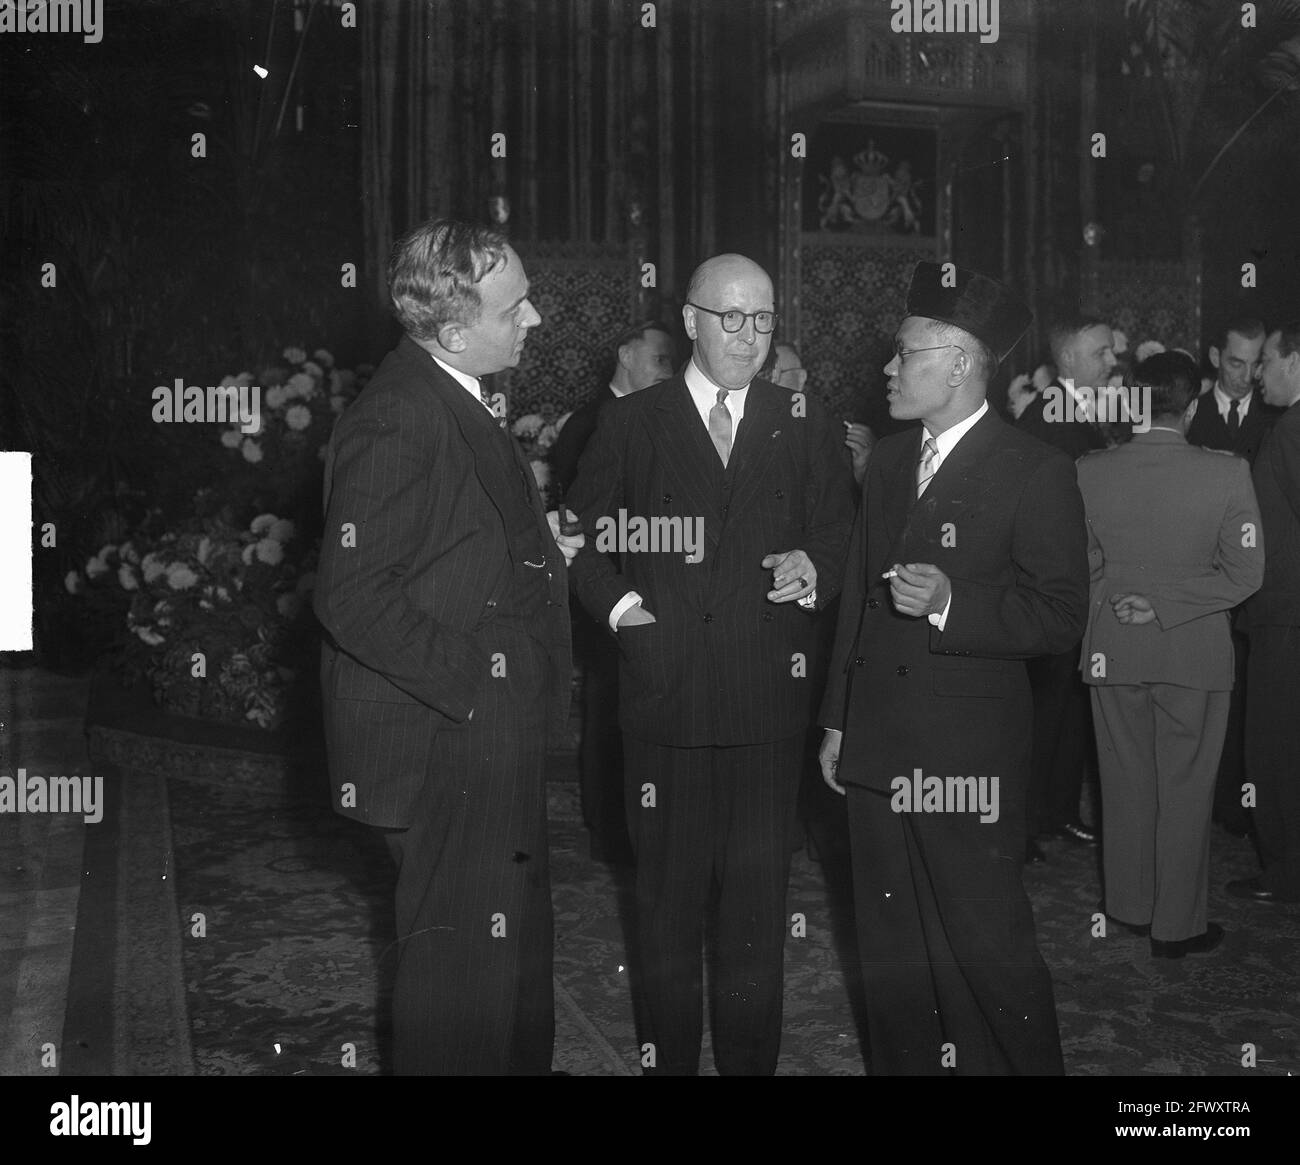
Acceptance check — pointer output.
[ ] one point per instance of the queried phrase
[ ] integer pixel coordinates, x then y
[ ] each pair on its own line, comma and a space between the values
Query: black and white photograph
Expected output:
617, 538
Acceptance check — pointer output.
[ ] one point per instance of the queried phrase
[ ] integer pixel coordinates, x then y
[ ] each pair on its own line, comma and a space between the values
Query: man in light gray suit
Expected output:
1173, 544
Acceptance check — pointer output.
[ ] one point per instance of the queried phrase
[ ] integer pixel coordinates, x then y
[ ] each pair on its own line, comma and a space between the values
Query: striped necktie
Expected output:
486, 398
926, 467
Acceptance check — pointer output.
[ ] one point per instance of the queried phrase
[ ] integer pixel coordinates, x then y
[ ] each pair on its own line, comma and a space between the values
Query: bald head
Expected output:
728, 283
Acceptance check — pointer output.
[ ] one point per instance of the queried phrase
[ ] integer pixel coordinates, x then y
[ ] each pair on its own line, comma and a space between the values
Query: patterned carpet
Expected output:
290, 978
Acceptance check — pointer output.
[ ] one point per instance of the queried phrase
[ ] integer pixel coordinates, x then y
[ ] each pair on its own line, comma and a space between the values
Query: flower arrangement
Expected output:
214, 616
213, 607
536, 436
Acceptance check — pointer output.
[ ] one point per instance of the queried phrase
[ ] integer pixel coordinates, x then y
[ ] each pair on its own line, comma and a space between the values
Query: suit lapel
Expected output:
900, 485
498, 477
761, 430
960, 485
687, 451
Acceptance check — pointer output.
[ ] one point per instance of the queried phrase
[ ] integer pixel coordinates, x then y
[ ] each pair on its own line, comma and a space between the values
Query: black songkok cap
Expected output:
977, 304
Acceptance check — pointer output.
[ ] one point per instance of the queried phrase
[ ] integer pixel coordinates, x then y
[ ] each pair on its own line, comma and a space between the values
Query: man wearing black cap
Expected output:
969, 556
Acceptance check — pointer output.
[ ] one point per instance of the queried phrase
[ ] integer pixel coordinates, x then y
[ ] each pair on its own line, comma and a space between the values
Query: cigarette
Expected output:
890, 574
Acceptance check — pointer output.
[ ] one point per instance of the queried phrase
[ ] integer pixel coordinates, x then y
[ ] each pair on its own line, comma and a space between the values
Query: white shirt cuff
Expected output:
941, 619
626, 603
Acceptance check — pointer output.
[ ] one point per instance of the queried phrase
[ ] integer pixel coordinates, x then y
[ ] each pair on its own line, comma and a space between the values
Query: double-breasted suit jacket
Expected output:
1003, 520
721, 664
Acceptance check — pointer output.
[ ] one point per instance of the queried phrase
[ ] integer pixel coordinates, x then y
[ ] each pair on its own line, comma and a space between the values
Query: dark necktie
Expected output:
1234, 416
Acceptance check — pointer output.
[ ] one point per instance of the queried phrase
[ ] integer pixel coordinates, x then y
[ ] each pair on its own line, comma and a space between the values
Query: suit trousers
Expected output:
1060, 740
473, 991
720, 822
1158, 748
1228, 808
600, 751
954, 981
1273, 754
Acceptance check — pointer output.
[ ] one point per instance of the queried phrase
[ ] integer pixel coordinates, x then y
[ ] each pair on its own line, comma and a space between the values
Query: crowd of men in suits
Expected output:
955, 551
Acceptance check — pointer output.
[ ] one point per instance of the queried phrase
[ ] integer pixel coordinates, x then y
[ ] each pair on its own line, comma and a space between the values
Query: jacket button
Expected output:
872, 604
708, 618
903, 669
780, 494
860, 661
768, 616
668, 499
491, 602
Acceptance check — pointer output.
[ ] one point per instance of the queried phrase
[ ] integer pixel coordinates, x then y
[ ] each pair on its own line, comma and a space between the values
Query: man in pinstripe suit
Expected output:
446, 658
714, 684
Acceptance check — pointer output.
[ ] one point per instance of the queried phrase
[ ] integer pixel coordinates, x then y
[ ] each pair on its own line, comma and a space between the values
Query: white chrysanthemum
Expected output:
246, 556
295, 355
151, 637
72, 581
268, 550
313, 369
1148, 348
527, 426
275, 396
251, 450
223, 594
299, 384
232, 438
204, 551
323, 357
96, 566
546, 437
1119, 343
126, 577
152, 566
298, 417
229, 381
281, 530
262, 523
128, 553
288, 604
180, 577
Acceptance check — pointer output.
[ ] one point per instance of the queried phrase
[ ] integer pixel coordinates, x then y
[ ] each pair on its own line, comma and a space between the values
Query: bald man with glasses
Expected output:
715, 691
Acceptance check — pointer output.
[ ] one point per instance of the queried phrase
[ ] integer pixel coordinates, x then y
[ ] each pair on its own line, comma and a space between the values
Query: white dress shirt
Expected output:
469, 383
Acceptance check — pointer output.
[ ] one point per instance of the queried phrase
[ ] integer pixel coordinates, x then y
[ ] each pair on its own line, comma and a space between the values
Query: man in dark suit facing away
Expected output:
1233, 416
715, 630
969, 556
643, 355
442, 592
1065, 416
1273, 623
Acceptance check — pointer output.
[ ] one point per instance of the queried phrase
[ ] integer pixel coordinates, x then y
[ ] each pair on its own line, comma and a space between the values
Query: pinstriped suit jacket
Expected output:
718, 666
417, 470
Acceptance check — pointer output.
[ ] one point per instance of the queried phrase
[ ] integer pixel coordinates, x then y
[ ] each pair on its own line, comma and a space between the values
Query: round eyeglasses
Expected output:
734, 320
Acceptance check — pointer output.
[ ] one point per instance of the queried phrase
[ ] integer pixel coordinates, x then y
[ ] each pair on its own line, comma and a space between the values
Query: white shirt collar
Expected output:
705, 394
617, 392
947, 440
1224, 403
464, 379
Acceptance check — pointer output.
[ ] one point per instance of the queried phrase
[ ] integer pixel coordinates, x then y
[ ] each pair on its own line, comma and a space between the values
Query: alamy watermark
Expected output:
33, 794
81, 16
1110, 404
922, 794
657, 535
980, 16
223, 403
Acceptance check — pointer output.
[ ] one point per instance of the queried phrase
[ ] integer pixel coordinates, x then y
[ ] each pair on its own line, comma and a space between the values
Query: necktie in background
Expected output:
1234, 416
486, 398
720, 426
925, 468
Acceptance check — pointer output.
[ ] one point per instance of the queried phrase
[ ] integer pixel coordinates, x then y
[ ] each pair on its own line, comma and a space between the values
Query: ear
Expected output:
962, 366
1214, 357
688, 321
625, 355
451, 338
